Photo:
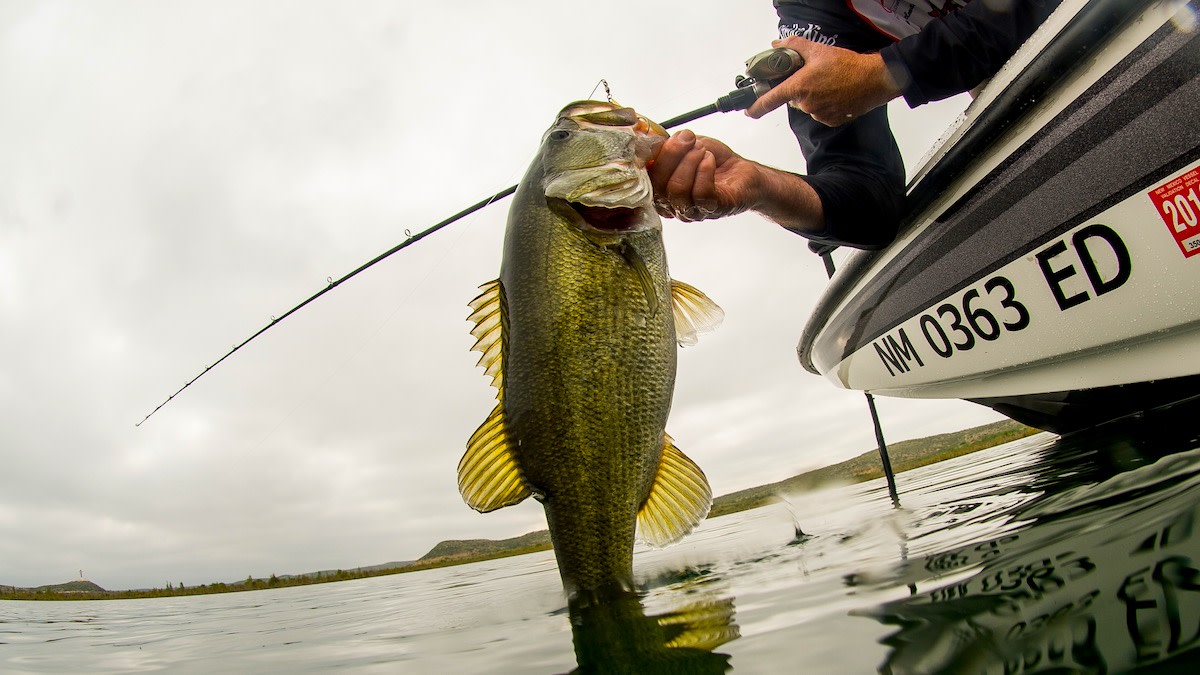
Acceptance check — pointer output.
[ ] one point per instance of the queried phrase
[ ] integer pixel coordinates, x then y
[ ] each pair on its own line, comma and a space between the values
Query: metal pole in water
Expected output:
825, 251
883, 453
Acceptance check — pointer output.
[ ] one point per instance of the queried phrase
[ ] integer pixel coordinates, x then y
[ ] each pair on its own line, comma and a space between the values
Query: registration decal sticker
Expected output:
1178, 202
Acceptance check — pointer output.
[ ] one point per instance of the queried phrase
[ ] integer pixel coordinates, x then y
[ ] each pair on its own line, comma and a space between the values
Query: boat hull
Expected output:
1052, 267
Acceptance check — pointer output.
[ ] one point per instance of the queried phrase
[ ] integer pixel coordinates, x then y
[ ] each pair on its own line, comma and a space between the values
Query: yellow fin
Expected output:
488, 477
695, 313
642, 273
488, 316
705, 625
679, 500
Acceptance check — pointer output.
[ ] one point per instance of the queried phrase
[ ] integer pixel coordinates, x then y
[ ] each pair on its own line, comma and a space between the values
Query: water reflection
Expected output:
1099, 574
615, 635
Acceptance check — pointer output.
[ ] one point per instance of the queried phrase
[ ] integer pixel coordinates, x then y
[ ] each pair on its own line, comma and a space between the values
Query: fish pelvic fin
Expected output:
695, 313
487, 313
488, 476
678, 501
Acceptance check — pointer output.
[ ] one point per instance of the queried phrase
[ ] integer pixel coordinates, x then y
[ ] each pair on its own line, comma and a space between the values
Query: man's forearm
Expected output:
787, 199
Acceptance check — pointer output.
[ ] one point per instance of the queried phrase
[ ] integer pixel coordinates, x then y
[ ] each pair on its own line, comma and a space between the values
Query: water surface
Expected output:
1043, 555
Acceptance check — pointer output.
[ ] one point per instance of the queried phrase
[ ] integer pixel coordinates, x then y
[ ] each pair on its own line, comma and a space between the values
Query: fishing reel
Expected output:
767, 69
763, 71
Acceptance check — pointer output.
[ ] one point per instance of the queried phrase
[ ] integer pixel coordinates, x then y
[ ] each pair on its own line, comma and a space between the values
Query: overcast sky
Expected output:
172, 174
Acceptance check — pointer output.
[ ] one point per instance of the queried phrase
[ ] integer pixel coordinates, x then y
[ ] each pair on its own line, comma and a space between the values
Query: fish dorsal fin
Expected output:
488, 476
679, 500
488, 316
695, 313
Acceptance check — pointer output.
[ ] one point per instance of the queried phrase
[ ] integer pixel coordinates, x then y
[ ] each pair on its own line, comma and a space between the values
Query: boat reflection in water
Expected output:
1102, 574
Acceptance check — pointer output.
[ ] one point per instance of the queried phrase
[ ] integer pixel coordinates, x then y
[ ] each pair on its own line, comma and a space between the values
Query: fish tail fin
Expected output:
679, 500
488, 476
694, 312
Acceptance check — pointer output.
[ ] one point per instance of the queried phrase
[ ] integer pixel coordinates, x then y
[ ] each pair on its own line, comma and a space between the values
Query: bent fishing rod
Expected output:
763, 71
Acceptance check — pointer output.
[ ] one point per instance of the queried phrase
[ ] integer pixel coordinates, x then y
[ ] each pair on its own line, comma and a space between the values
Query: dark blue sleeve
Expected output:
855, 169
962, 49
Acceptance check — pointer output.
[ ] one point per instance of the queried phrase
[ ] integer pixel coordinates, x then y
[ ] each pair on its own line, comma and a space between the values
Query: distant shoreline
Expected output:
904, 455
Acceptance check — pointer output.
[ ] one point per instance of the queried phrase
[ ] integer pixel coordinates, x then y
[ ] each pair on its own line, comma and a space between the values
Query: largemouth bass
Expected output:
579, 335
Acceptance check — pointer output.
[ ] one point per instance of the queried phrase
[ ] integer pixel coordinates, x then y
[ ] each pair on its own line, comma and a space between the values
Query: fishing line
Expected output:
332, 284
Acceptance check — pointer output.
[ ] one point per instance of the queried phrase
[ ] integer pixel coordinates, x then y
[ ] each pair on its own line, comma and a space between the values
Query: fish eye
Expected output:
560, 135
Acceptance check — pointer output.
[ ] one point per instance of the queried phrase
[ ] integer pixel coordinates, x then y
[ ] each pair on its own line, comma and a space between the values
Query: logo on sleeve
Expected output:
812, 32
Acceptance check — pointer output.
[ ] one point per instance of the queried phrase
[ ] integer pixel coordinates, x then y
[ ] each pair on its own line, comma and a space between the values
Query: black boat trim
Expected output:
1068, 411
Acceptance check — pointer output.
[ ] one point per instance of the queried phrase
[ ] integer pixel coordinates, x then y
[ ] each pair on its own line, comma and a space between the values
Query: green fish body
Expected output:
580, 335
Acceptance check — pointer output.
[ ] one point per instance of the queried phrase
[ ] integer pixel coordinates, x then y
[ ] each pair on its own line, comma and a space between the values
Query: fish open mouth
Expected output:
610, 219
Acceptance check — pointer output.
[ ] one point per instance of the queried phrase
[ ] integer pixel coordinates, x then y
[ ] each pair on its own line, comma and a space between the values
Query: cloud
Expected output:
175, 173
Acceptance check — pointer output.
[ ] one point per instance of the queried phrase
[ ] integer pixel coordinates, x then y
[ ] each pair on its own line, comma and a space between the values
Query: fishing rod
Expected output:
332, 284
763, 71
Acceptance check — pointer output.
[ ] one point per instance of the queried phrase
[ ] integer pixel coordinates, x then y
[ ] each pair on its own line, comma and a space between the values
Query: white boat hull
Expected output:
1056, 272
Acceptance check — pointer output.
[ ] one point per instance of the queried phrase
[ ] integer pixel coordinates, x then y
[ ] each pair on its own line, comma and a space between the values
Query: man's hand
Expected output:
834, 85
697, 178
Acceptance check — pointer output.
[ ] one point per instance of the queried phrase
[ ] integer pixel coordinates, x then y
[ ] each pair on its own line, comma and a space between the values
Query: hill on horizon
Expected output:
904, 455
76, 586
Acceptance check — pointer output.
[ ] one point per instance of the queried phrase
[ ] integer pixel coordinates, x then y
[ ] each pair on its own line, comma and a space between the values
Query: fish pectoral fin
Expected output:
644, 276
695, 313
488, 476
487, 313
679, 500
